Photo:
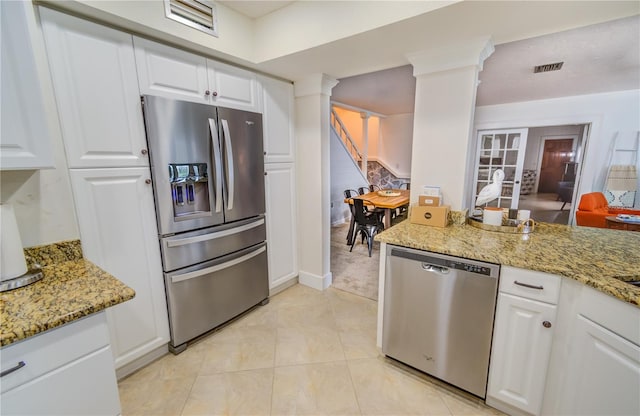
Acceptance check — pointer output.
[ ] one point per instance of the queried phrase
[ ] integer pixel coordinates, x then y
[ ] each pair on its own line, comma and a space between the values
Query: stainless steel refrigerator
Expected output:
207, 169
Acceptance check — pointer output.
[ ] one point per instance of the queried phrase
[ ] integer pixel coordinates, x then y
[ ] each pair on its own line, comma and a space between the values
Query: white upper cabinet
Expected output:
25, 132
96, 88
233, 87
278, 110
173, 73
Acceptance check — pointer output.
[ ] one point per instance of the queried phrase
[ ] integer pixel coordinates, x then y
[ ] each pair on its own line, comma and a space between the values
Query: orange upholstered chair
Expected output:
594, 208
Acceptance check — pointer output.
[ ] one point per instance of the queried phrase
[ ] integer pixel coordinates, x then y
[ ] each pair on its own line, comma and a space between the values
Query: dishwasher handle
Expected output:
434, 268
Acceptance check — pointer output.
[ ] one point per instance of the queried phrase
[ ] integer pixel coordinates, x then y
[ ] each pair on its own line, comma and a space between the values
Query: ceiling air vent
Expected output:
547, 67
198, 14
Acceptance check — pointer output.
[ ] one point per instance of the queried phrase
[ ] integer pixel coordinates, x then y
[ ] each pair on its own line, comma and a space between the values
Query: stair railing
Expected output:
343, 133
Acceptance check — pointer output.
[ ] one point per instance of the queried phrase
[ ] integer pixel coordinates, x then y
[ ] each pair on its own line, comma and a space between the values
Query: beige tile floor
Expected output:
305, 353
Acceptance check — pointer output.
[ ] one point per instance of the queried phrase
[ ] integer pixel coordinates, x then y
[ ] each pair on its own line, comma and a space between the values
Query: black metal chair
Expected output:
406, 185
350, 193
363, 190
373, 188
367, 224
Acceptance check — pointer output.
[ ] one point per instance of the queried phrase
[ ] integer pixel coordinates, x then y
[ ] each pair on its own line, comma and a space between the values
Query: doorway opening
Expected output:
553, 160
542, 168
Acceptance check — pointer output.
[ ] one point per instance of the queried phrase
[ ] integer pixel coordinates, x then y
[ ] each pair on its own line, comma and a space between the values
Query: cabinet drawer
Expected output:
52, 349
530, 284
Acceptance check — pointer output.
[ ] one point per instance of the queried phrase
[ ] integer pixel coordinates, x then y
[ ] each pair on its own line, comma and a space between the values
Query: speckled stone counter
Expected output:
600, 258
72, 288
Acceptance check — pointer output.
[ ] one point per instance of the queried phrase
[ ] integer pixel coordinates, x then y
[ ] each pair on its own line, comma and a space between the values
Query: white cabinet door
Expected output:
96, 89
85, 387
520, 352
233, 87
277, 116
119, 233
603, 372
67, 371
171, 72
26, 142
282, 239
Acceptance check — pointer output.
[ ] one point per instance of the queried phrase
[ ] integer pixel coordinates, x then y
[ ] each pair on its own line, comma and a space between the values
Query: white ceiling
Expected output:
372, 66
255, 9
597, 58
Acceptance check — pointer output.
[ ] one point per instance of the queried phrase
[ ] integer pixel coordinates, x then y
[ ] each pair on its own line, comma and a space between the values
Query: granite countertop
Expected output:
72, 288
601, 258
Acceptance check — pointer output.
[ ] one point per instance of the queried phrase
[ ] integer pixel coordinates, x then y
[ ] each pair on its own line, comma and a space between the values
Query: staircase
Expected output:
341, 131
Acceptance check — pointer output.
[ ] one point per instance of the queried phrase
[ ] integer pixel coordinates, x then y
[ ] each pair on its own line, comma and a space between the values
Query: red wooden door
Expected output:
556, 154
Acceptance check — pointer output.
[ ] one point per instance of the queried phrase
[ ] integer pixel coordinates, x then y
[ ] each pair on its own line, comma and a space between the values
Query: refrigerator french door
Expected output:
207, 170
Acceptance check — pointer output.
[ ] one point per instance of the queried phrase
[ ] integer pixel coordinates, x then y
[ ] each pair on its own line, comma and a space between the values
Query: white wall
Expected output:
394, 149
608, 113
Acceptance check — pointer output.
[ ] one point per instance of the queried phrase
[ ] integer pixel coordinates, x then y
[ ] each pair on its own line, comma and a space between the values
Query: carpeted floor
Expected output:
354, 272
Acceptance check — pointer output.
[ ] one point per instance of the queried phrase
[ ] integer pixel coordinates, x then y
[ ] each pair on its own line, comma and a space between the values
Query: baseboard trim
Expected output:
315, 281
143, 361
283, 286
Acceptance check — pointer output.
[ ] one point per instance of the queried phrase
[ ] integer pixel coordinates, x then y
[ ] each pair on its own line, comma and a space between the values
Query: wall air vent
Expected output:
198, 14
547, 67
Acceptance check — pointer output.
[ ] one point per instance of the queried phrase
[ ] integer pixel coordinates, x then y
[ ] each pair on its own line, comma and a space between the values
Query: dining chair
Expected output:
405, 185
350, 193
363, 190
373, 188
367, 224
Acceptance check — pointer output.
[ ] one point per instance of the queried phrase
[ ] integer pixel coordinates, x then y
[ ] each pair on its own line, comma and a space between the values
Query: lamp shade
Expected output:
12, 262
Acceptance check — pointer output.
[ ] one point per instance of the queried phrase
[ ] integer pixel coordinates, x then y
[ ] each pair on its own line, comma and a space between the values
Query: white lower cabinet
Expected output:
521, 350
118, 230
281, 223
66, 371
522, 340
595, 370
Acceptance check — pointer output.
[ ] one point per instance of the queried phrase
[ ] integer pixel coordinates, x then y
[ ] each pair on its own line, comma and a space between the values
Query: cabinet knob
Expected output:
207, 93
215, 93
546, 324
144, 151
147, 181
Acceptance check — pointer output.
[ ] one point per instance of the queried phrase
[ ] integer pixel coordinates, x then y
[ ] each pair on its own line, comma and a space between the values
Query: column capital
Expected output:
365, 114
314, 84
459, 54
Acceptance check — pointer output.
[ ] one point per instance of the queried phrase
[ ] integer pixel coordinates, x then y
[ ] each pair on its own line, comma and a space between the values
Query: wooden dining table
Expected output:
388, 203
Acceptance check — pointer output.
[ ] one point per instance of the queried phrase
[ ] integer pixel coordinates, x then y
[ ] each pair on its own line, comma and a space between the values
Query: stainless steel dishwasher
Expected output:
438, 315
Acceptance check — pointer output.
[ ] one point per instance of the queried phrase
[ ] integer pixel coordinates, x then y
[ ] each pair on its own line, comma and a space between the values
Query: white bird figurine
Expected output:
491, 191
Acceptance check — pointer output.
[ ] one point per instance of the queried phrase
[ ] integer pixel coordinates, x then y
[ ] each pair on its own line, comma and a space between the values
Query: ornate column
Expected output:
313, 178
446, 84
365, 142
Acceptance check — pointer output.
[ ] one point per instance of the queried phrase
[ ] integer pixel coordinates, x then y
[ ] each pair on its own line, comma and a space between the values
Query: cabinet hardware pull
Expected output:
147, 181
12, 369
540, 287
144, 151
546, 324
215, 93
207, 93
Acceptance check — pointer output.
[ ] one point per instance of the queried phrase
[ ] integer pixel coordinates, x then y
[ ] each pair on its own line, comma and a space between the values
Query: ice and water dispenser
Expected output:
189, 189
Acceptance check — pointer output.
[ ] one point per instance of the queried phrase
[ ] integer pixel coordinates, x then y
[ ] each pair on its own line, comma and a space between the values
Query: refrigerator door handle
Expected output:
229, 150
191, 275
217, 159
213, 236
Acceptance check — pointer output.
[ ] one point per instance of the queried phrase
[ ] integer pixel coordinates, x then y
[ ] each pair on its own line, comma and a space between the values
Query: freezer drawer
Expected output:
202, 297
194, 247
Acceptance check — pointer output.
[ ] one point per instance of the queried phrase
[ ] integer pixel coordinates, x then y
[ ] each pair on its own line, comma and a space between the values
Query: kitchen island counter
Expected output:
601, 258
72, 288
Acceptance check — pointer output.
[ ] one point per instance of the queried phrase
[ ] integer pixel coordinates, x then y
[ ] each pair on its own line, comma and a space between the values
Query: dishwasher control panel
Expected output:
439, 260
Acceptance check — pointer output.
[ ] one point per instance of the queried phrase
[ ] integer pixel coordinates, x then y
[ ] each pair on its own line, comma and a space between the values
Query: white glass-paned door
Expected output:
500, 149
